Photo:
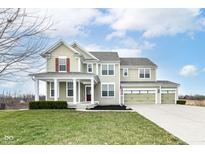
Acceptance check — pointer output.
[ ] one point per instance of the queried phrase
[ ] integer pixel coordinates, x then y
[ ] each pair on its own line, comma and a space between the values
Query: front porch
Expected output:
78, 89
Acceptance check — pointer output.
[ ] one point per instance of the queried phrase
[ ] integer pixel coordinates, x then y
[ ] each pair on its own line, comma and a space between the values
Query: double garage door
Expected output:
148, 96
139, 96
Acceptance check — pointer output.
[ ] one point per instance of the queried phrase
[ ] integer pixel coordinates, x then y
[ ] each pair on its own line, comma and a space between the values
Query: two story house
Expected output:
78, 76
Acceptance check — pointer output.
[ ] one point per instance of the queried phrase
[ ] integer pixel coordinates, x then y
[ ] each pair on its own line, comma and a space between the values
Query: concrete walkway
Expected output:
184, 122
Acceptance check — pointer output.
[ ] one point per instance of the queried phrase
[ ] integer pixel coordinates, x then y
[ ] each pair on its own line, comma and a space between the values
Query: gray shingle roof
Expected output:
106, 56
137, 61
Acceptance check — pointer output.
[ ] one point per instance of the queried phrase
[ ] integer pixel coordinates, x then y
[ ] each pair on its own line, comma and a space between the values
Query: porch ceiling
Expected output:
65, 76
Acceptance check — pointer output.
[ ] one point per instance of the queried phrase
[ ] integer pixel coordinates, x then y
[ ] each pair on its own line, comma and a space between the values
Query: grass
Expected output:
72, 127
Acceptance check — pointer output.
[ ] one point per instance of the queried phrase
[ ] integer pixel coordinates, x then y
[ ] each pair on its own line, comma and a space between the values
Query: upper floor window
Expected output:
144, 73
62, 64
108, 69
90, 68
125, 72
69, 89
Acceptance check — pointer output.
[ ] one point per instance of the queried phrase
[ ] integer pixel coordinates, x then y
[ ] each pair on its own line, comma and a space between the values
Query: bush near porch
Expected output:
48, 105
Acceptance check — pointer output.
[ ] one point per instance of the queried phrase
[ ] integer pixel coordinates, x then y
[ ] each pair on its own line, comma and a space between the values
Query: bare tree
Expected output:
22, 38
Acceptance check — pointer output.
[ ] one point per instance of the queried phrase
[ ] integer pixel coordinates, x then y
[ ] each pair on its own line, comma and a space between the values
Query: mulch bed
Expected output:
110, 107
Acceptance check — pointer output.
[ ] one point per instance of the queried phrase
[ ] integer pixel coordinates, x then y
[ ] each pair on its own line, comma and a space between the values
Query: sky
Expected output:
174, 39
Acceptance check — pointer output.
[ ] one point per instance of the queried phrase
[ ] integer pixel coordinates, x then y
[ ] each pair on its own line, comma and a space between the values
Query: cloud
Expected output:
129, 48
70, 22
116, 34
188, 70
154, 22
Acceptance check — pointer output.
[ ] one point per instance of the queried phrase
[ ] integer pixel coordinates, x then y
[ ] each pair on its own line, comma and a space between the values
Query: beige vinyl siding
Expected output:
108, 79
133, 73
62, 51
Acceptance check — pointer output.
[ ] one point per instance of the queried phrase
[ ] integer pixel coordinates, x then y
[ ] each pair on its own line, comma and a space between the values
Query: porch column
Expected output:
92, 91
74, 91
55, 89
79, 91
36, 90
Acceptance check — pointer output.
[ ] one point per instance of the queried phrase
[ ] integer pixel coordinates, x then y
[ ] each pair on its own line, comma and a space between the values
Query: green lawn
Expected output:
72, 127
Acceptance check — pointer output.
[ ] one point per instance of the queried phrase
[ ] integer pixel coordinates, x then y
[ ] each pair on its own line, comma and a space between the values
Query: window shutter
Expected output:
57, 65
68, 65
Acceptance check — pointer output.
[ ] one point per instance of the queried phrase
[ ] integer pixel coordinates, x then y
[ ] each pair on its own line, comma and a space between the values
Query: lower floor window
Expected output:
70, 88
107, 90
52, 89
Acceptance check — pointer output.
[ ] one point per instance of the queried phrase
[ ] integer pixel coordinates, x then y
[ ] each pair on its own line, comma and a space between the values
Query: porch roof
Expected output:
64, 76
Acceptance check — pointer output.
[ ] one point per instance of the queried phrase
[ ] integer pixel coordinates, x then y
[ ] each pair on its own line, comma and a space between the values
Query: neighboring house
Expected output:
77, 76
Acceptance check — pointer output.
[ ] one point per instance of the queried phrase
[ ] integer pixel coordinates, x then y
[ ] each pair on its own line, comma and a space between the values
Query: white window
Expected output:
144, 73
90, 68
125, 72
107, 90
69, 89
62, 64
51, 89
107, 69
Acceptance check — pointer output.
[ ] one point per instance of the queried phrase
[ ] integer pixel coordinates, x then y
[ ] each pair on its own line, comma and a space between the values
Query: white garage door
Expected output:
168, 96
139, 96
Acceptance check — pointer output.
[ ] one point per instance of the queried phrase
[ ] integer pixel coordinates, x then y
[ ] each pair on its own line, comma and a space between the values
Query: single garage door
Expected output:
168, 96
139, 96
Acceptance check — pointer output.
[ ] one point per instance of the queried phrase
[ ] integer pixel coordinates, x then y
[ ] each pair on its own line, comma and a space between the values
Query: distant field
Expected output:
195, 102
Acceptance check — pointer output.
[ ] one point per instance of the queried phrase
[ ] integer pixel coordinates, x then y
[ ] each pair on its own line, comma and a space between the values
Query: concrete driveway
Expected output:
184, 122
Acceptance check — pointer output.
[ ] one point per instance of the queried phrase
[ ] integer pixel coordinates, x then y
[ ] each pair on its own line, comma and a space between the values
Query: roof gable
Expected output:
84, 52
55, 46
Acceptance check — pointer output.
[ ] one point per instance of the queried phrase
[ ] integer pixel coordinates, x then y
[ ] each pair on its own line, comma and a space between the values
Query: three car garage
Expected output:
149, 96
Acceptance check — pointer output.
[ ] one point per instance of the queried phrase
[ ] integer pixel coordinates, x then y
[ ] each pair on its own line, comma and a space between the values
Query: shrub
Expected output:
48, 105
2, 106
181, 102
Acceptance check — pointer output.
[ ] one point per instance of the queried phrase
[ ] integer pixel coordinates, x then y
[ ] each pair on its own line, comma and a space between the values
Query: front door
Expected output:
88, 93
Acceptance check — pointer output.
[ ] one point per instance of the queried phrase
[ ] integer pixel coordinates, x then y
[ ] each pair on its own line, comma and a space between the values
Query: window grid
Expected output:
62, 64
107, 69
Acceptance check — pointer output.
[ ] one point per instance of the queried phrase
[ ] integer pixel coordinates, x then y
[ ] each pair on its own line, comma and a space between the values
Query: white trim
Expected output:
119, 87
86, 92
123, 71
160, 95
107, 69
97, 70
65, 58
74, 92
56, 45
36, 90
74, 43
79, 65
91, 66
107, 83
144, 73
79, 91
55, 89
155, 89
176, 93
92, 91
46, 90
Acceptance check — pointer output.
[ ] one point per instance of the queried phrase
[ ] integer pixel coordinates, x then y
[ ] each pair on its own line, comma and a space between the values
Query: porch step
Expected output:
82, 105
